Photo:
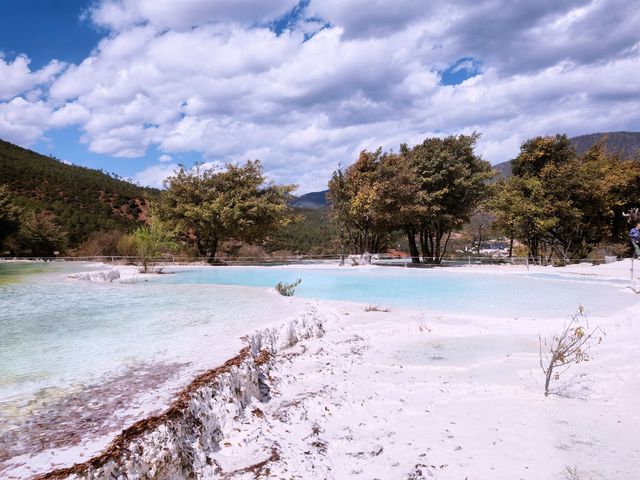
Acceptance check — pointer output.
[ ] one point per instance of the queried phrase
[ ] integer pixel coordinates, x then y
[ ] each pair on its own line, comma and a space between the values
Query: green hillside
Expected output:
312, 234
82, 200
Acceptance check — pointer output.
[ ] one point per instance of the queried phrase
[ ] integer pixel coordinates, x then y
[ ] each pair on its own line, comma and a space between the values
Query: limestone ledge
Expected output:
181, 442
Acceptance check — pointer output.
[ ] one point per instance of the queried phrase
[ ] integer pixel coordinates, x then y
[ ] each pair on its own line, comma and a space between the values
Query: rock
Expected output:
101, 276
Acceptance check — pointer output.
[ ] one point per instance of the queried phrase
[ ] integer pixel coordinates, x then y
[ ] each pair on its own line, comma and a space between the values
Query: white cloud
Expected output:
155, 175
18, 79
169, 14
23, 122
202, 76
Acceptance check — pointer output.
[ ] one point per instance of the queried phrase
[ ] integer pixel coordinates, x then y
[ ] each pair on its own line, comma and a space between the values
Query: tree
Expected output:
539, 152
207, 206
41, 234
150, 241
371, 198
562, 205
523, 211
9, 215
353, 196
451, 181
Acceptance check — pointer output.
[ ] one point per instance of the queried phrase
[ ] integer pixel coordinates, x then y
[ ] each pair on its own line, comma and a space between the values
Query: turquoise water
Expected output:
447, 291
55, 331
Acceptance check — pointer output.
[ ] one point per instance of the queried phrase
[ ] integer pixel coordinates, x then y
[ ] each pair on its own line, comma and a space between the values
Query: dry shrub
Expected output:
100, 244
568, 348
287, 289
376, 308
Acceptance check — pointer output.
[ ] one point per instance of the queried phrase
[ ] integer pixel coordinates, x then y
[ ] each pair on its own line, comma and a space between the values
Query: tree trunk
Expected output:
413, 248
511, 246
446, 243
207, 249
213, 249
437, 254
479, 245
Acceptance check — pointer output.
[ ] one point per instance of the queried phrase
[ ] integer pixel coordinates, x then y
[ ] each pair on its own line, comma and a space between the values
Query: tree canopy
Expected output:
206, 206
9, 214
562, 205
425, 191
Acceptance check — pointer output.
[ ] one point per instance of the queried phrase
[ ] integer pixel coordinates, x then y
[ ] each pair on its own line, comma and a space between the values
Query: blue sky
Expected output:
46, 29
136, 87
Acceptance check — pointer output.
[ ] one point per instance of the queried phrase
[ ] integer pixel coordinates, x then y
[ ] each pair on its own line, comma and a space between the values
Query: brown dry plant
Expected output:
568, 348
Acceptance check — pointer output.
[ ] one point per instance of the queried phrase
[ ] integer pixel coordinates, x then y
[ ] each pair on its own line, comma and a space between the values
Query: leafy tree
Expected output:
41, 234
151, 241
9, 214
371, 198
625, 192
540, 152
352, 195
207, 207
523, 211
560, 204
397, 203
451, 181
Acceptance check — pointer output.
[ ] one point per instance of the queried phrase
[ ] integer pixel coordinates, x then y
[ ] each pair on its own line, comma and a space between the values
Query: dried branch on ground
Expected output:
569, 348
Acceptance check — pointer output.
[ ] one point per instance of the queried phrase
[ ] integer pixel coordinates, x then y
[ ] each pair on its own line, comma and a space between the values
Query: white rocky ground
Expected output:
403, 395
385, 397
397, 395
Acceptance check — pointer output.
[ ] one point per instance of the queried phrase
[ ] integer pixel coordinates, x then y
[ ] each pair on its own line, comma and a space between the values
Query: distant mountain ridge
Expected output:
311, 201
627, 144
83, 200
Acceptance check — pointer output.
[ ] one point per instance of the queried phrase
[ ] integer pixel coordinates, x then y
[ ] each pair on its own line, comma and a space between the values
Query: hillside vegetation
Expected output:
80, 200
555, 201
625, 144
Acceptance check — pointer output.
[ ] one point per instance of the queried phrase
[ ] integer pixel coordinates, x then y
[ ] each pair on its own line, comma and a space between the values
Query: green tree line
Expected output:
558, 204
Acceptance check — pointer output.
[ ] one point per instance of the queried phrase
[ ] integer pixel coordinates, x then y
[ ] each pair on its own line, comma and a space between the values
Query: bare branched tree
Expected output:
569, 348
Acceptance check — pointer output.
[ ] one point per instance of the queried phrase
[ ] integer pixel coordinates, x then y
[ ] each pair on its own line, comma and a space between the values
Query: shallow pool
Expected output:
446, 291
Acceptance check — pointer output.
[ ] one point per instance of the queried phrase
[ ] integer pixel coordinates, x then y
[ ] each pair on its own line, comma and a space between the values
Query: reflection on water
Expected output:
16, 272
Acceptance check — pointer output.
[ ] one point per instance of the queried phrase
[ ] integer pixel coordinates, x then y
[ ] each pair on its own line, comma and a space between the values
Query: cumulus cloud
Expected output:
18, 78
169, 14
220, 78
155, 175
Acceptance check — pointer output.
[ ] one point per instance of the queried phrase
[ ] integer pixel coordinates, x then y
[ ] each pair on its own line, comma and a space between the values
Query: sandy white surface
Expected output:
402, 395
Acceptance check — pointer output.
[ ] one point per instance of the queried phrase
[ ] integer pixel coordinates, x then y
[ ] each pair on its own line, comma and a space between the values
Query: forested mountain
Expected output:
312, 233
82, 200
626, 144
312, 201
